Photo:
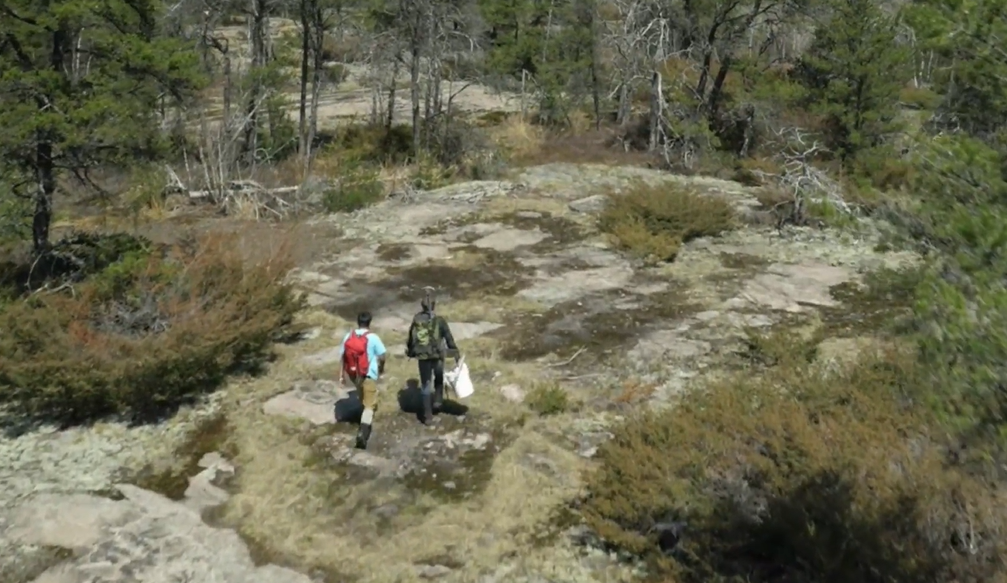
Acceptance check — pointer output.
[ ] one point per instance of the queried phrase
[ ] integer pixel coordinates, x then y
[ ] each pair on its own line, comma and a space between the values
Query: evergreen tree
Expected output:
853, 72
80, 87
970, 37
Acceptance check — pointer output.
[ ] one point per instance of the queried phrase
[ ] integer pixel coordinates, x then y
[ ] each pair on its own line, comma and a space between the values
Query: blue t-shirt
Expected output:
375, 349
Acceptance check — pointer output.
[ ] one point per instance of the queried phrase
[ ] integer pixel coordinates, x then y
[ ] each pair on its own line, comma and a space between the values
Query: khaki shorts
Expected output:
367, 390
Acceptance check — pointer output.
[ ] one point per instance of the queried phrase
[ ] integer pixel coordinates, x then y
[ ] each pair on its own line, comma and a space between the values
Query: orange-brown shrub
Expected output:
796, 475
145, 333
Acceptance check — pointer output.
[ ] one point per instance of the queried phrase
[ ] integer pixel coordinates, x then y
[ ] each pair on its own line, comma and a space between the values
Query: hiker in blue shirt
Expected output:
362, 354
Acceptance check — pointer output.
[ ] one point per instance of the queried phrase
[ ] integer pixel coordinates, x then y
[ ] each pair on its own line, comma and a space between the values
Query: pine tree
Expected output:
970, 38
853, 73
80, 87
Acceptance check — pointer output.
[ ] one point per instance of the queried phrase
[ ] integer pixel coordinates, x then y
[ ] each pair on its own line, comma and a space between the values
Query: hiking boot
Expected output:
363, 435
438, 402
428, 410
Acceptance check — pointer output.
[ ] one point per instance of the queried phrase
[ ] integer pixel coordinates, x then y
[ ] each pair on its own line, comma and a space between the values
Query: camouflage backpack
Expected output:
426, 336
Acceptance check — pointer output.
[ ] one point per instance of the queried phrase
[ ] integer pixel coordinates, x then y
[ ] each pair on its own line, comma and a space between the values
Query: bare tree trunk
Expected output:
713, 103
375, 91
317, 40
228, 85
390, 119
624, 105
415, 48
595, 89
45, 165
302, 118
256, 35
428, 103
656, 103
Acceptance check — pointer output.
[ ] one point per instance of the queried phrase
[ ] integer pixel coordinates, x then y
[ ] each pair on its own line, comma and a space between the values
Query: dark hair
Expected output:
364, 319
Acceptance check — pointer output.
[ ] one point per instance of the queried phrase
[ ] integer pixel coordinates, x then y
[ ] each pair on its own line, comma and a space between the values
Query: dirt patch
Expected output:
743, 261
394, 252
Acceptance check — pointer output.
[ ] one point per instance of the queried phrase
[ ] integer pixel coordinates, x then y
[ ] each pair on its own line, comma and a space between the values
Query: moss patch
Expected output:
32, 562
463, 479
492, 273
879, 304
595, 323
561, 231
209, 435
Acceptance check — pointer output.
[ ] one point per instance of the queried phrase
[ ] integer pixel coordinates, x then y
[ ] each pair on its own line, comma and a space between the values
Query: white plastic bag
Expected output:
460, 379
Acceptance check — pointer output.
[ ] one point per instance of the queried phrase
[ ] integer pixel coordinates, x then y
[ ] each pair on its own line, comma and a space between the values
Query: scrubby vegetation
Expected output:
653, 222
798, 475
890, 470
886, 470
548, 399
135, 329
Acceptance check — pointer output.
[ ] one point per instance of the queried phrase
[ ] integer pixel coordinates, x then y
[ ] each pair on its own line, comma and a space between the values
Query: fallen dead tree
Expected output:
245, 198
800, 183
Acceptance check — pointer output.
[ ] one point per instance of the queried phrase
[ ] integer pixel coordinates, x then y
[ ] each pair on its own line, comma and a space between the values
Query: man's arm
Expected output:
410, 342
381, 352
342, 350
449, 339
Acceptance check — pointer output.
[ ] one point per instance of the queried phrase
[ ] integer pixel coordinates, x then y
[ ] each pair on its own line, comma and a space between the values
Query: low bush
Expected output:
795, 475
919, 98
548, 399
144, 333
376, 144
358, 185
653, 222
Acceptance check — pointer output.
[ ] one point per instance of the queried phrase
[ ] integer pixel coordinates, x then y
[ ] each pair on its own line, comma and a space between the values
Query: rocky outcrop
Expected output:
141, 537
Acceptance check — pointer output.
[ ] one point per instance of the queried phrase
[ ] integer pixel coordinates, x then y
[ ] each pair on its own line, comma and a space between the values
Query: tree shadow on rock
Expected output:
411, 401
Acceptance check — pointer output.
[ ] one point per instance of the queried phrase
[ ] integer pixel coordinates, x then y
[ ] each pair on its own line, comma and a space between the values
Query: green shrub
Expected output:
145, 333
357, 186
653, 222
548, 399
376, 144
793, 475
919, 98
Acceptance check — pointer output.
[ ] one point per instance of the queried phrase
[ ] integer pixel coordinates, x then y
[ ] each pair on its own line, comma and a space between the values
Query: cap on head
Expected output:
429, 302
364, 320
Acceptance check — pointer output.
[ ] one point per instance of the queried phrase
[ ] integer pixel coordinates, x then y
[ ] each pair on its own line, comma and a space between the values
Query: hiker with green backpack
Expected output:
430, 342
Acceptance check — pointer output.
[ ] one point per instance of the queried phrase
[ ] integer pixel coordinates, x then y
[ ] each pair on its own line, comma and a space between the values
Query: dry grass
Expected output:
489, 308
518, 139
525, 144
304, 513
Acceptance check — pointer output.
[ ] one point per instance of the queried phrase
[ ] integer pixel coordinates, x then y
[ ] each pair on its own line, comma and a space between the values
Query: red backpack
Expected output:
355, 362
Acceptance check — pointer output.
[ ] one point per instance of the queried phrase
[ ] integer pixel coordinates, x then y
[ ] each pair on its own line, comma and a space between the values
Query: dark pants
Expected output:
432, 370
